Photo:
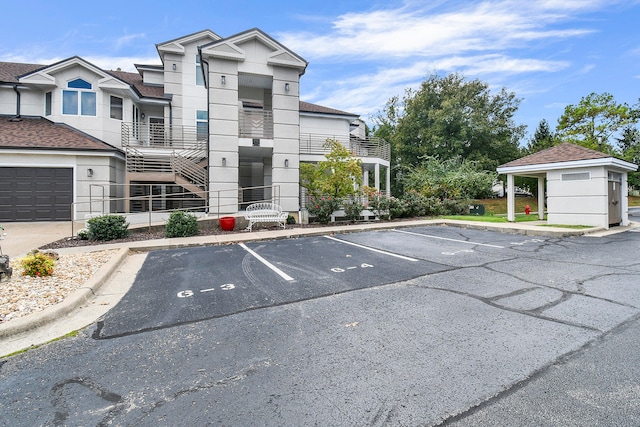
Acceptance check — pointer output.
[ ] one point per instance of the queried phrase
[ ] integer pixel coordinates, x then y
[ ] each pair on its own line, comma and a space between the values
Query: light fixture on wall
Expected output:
224, 161
223, 80
286, 87
142, 116
286, 163
89, 172
175, 67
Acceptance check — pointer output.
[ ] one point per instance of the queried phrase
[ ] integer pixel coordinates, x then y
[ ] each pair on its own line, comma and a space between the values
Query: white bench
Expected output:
265, 212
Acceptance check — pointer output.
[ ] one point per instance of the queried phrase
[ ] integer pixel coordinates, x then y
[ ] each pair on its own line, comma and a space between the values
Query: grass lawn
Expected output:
496, 210
492, 218
498, 206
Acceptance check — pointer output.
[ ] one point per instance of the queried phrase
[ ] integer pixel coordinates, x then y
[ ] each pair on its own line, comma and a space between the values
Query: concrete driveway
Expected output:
21, 237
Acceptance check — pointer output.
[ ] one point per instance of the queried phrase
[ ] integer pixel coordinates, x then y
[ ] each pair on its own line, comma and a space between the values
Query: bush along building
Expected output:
219, 124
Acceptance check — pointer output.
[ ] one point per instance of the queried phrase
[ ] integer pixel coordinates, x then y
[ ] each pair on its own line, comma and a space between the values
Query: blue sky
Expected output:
550, 53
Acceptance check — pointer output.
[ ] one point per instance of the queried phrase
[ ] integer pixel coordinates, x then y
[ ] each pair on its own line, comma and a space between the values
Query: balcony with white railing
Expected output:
365, 148
255, 123
161, 135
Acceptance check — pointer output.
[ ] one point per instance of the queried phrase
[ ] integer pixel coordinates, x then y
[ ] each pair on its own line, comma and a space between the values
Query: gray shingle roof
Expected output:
135, 80
308, 107
9, 71
565, 152
40, 133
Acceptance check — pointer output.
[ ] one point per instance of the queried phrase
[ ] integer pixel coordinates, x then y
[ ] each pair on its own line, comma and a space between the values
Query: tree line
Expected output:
452, 117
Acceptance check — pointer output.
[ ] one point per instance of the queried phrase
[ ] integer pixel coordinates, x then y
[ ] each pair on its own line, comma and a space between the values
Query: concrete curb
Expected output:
70, 303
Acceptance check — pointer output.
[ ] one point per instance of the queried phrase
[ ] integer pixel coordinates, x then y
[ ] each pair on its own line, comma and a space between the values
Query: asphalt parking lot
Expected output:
415, 326
186, 285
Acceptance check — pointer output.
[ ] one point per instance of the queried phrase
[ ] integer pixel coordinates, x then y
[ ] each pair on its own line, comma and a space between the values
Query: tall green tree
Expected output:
451, 117
454, 178
542, 138
629, 144
339, 176
386, 124
594, 120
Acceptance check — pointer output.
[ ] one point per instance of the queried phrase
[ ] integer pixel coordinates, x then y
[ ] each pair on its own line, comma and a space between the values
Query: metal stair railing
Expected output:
188, 169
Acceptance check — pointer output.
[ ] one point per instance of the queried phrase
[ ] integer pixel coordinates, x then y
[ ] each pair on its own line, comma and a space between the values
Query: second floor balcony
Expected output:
368, 147
252, 125
255, 123
162, 135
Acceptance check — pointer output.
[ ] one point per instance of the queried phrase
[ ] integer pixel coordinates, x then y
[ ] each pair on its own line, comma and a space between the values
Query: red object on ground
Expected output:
527, 209
227, 223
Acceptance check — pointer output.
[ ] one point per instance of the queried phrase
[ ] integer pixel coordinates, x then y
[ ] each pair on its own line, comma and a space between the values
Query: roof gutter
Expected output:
17, 117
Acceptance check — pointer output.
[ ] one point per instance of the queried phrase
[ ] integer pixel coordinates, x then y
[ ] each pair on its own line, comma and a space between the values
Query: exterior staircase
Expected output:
186, 168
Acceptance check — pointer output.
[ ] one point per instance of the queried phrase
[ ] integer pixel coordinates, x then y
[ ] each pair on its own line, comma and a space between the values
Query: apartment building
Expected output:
216, 125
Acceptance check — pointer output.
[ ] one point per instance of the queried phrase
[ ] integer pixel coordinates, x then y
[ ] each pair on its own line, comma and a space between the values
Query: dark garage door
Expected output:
35, 194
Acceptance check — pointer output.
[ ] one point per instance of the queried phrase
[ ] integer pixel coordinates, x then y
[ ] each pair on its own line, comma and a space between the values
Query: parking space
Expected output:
442, 245
186, 285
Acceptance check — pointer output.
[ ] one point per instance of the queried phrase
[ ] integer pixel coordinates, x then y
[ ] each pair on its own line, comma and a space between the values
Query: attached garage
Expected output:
49, 171
35, 194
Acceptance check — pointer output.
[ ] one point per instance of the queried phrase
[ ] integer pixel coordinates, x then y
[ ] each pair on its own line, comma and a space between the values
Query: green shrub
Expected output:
378, 203
37, 264
322, 208
454, 207
397, 208
181, 224
108, 227
353, 209
291, 220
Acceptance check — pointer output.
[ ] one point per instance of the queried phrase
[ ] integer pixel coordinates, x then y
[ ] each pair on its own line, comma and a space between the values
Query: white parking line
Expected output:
451, 240
281, 273
372, 249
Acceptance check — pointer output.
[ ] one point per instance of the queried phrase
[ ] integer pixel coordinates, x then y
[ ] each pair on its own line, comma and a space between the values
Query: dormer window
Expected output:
81, 101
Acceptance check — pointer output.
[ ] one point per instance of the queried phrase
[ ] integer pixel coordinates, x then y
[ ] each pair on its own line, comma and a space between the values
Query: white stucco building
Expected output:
583, 186
216, 125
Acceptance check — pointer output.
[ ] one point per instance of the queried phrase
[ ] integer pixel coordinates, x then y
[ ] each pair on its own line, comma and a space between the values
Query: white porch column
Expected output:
365, 177
541, 197
388, 187
377, 176
511, 199
624, 199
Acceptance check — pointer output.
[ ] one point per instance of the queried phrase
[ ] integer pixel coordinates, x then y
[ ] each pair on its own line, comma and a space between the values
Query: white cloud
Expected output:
405, 32
125, 40
556, 106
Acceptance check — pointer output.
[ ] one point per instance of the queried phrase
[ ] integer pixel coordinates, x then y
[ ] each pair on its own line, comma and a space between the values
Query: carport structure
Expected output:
584, 186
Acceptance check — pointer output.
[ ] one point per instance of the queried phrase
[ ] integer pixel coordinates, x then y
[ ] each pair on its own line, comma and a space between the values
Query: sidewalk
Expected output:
114, 279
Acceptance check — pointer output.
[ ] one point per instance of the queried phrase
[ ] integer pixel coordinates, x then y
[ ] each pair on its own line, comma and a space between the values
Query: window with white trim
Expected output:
47, 103
202, 124
81, 101
116, 107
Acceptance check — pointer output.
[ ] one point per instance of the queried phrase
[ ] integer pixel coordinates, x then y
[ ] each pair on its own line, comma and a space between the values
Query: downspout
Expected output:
171, 121
205, 74
17, 117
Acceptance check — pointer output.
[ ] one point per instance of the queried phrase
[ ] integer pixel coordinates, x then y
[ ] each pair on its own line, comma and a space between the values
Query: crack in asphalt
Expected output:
562, 359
